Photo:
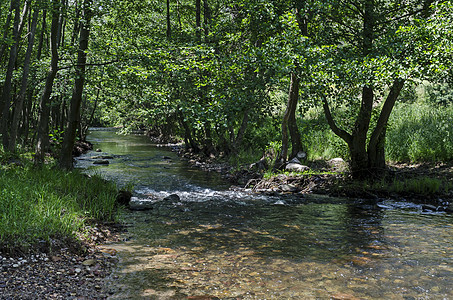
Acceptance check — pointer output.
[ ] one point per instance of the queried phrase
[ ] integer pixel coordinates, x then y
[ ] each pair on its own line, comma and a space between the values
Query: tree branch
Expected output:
338, 131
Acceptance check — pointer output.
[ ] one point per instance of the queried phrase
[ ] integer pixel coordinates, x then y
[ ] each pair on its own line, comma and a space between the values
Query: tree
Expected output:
368, 50
65, 160
24, 84
5, 101
42, 144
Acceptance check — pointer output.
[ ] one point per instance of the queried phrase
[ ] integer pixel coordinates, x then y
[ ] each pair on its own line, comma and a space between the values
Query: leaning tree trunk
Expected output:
23, 89
65, 161
42, 144
376, 146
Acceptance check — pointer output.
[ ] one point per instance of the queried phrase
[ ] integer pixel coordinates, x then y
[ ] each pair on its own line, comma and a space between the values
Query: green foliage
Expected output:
38, 204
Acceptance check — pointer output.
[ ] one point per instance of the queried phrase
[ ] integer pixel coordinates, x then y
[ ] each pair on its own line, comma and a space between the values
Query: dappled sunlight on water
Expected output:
276, 256
218, 243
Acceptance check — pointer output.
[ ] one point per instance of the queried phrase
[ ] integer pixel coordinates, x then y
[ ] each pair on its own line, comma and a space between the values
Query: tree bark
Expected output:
41, 36
376, 145
206, 18
168, 20
6, 93
293, 99
65, 161
23, 89
5, 32
42, 144
241, 132
198, 19
188, 138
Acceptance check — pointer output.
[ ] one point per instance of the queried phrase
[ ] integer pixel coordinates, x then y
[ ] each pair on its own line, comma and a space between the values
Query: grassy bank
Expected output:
39, 206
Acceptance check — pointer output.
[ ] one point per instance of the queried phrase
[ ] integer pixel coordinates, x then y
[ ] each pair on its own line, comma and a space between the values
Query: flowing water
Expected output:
217, 243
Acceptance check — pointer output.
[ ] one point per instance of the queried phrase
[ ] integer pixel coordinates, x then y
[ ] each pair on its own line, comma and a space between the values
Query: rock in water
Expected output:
123, 197
280, 202
140, 205
101, 162
172, 198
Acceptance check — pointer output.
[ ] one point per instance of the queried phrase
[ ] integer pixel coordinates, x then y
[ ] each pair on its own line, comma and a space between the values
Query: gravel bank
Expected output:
62, 274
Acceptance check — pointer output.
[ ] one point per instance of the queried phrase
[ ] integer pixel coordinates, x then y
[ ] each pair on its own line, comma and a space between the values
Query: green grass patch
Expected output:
420, 132
38, 204
420, 186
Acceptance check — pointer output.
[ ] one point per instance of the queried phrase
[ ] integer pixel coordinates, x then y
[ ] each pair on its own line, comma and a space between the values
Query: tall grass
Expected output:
38, 204
420, 132
417, 132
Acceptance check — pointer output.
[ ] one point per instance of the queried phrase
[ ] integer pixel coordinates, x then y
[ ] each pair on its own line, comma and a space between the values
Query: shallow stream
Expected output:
215, 242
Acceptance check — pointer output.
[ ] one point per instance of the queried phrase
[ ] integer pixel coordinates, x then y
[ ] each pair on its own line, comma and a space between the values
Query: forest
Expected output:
369, 81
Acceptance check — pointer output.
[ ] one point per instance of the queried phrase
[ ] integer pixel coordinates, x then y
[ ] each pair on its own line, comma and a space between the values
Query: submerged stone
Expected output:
172, 198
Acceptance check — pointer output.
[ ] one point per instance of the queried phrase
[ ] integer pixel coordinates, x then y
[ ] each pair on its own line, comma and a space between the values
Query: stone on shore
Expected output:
296, 167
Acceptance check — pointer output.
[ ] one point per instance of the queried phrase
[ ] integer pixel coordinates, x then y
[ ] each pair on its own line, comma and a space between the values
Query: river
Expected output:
217, 243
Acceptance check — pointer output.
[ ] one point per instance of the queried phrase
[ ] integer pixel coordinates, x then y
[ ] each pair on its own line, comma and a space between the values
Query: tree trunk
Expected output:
198, 19
359, 164
241, 132
376, 156
188, 138
178, 14
357, 147
6, 93
5, 32
290, 123
41, 37
293, 99
65, 161
76, 29
168, 20
42, 144
282, 156
24, 84
206, 18
376, 145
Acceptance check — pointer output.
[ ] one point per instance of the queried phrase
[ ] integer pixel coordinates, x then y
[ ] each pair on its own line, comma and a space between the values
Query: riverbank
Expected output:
65, 272
425, 183
52, 222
